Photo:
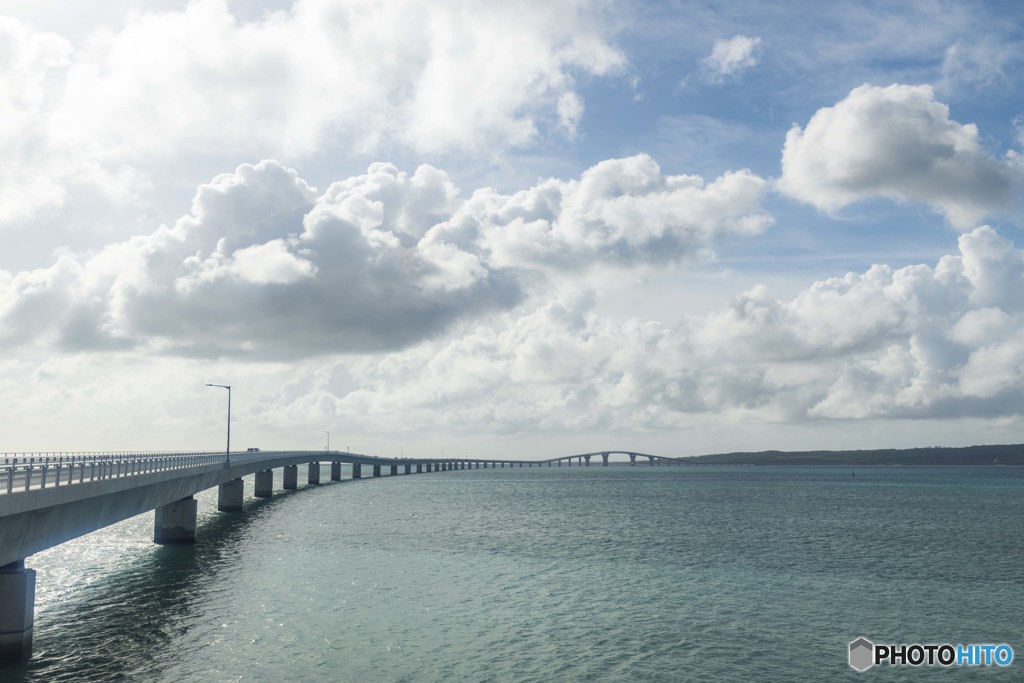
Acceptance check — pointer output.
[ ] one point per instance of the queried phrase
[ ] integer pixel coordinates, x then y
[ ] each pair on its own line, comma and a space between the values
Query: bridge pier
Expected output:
394, 470
17, 611
313, 473
335, 471
604, 459
264, 484
651, 461
357, 470
587, 458
291, 477
376, 470
175, 522
632, 459
408, 468
229, 496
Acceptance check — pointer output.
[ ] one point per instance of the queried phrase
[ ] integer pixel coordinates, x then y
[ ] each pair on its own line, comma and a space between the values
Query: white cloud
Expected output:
168, 87
979, 64
264, 266
895, 142
27, 59
910, 343
731, 57
620, 212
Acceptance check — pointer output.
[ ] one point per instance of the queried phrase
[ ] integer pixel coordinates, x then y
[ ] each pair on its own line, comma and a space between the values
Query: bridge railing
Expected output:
23, 472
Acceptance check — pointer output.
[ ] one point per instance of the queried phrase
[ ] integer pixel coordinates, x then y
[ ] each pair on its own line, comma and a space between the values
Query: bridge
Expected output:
49, 498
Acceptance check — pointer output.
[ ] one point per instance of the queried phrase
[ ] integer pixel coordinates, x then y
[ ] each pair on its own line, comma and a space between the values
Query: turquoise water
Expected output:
552, 574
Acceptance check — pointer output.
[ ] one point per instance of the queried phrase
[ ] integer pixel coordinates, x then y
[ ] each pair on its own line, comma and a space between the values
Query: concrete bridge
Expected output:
49, 498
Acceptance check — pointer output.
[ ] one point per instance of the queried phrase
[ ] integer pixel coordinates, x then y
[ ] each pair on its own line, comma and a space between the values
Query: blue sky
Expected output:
520, 229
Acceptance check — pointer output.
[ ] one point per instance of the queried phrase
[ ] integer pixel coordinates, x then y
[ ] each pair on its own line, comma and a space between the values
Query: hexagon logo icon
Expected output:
862, 654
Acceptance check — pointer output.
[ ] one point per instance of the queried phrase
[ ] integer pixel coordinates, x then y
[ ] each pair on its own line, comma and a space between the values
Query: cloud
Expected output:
729, 58
265, 266
917, 342
27, 59
979, 65
899, 143
621, 212
199, 83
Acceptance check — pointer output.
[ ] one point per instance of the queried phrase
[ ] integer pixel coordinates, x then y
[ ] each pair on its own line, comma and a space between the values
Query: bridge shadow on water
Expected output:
142, 605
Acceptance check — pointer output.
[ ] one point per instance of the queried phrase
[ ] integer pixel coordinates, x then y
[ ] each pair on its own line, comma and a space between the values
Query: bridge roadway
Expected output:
47, 499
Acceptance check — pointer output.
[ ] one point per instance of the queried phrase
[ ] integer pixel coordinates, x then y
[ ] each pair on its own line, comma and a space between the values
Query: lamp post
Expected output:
328, 438
227, 451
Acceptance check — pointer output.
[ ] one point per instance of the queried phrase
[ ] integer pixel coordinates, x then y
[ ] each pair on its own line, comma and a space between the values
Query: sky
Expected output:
518, 229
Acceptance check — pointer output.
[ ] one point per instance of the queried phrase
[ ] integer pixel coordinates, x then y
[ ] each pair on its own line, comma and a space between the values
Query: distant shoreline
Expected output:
1012, 454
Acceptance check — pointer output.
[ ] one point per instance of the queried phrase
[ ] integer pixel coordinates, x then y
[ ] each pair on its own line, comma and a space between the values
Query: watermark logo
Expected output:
864, 654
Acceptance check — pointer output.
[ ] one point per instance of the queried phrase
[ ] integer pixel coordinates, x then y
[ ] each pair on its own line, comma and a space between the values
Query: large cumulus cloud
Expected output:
168, 88
899, 143
265, 266
916, 342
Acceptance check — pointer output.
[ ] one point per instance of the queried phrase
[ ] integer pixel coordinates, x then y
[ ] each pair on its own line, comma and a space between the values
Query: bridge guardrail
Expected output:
63, 469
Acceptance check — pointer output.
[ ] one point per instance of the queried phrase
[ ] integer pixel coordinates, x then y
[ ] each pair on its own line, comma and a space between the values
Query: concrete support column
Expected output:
229, 496
587, 458
394, 470
376, 470
478, 465
17, 611
357, 471
419, 468
264, 484
335, 471
559, 463
650, 462
408, 468
291, 477
175, 522
604, 459
632, 459
313, 473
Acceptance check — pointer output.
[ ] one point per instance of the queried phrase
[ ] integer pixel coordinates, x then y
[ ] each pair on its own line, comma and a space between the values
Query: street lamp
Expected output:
227, 452
328, 438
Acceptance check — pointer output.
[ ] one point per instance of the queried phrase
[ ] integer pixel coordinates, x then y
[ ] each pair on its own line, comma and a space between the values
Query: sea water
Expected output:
696, 573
